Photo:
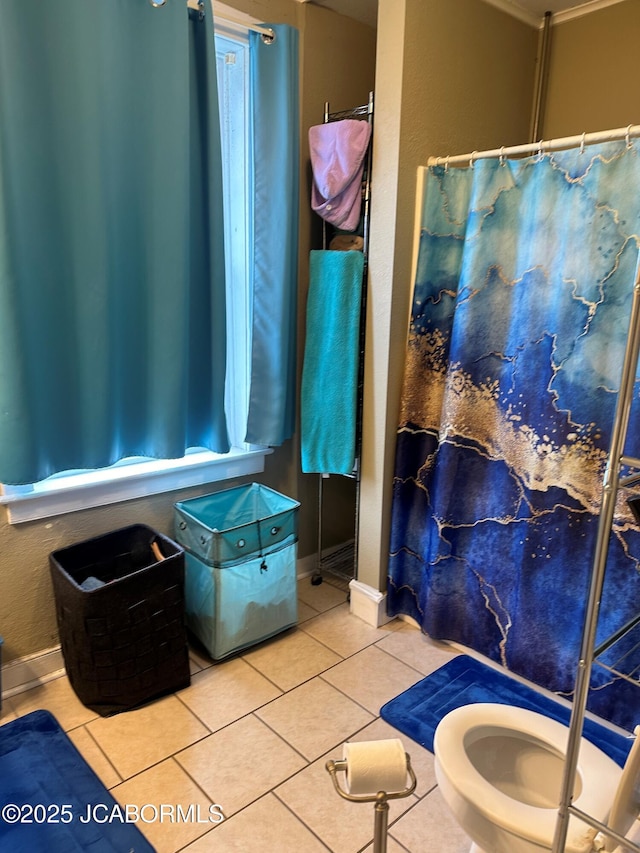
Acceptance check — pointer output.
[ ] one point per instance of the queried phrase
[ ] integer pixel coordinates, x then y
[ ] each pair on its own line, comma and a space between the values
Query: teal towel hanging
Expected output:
329, 390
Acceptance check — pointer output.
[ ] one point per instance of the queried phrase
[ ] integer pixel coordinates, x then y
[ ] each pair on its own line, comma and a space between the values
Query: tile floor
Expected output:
253, 734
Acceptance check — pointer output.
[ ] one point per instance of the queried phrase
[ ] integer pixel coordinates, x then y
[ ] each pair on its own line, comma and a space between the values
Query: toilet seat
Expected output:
467, 724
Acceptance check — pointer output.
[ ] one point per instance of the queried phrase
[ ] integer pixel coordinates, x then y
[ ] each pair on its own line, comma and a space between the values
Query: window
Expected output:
233, 86
136, 477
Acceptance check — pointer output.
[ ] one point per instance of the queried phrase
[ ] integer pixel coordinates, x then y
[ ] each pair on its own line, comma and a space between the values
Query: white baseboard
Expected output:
368, 604
31, 671
306, 566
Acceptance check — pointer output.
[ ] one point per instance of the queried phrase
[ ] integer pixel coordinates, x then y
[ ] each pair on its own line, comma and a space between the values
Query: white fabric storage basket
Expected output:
240, 566
232, 608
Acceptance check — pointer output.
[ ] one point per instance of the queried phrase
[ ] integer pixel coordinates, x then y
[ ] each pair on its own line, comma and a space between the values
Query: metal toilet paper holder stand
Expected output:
381, 809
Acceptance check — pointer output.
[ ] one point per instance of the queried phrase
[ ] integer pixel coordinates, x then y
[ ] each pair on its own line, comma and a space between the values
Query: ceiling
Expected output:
366, 11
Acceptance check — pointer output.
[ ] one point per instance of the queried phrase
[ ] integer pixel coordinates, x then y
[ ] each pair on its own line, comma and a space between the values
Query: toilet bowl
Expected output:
500, 770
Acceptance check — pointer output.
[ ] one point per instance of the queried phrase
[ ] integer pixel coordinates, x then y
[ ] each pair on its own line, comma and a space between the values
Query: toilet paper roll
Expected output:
375, 765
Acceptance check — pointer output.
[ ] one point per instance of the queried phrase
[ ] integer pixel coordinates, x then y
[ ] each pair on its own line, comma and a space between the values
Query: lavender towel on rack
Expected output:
337, 151
329, 392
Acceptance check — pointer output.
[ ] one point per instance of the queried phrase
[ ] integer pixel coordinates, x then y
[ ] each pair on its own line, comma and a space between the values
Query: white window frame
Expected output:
135, 477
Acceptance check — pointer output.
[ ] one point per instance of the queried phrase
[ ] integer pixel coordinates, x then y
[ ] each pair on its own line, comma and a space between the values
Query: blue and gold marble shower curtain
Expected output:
520, 313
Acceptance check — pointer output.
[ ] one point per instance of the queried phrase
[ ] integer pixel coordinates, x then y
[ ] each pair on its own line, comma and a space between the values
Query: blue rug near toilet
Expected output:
51, 801
465, 680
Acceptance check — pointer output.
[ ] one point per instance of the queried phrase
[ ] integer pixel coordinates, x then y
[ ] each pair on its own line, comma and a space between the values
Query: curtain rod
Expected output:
539, 147
268, 35
222, 13
266, 32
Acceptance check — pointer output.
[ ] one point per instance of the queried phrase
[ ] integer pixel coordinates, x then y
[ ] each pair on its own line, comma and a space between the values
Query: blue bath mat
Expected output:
47, 792
465, 680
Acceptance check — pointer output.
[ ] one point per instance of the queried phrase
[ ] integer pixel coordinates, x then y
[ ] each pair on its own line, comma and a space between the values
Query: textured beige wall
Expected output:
450, 78
27, 615
593, 72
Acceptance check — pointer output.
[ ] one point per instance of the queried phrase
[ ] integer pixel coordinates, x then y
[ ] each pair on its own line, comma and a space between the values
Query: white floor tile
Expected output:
253, 734
429, 827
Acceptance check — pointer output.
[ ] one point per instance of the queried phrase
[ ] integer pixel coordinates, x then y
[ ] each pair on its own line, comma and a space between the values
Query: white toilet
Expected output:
500, 770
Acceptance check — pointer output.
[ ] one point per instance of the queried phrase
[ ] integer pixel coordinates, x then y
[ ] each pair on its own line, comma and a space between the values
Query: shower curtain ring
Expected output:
628, 136
540, 151
446, 163
502, 158
471, 159
582, 144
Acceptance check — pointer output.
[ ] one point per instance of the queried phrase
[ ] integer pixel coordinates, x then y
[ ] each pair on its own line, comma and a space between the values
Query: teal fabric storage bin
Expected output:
240, 566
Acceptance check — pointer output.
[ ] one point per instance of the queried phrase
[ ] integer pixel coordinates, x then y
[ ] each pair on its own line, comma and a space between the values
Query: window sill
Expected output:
127, 482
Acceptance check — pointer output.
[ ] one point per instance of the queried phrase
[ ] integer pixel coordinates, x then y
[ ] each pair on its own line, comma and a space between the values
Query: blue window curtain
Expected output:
276, 135
112, 305
520, 314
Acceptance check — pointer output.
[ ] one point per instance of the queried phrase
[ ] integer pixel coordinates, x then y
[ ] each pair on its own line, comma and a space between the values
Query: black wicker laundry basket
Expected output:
120, 611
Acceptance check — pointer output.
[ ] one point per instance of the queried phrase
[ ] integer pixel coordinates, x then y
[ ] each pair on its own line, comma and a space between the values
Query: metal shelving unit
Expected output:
613, 481
343, 565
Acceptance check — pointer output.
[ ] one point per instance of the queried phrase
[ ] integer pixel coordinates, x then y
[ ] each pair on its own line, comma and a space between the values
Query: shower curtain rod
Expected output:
539, 147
